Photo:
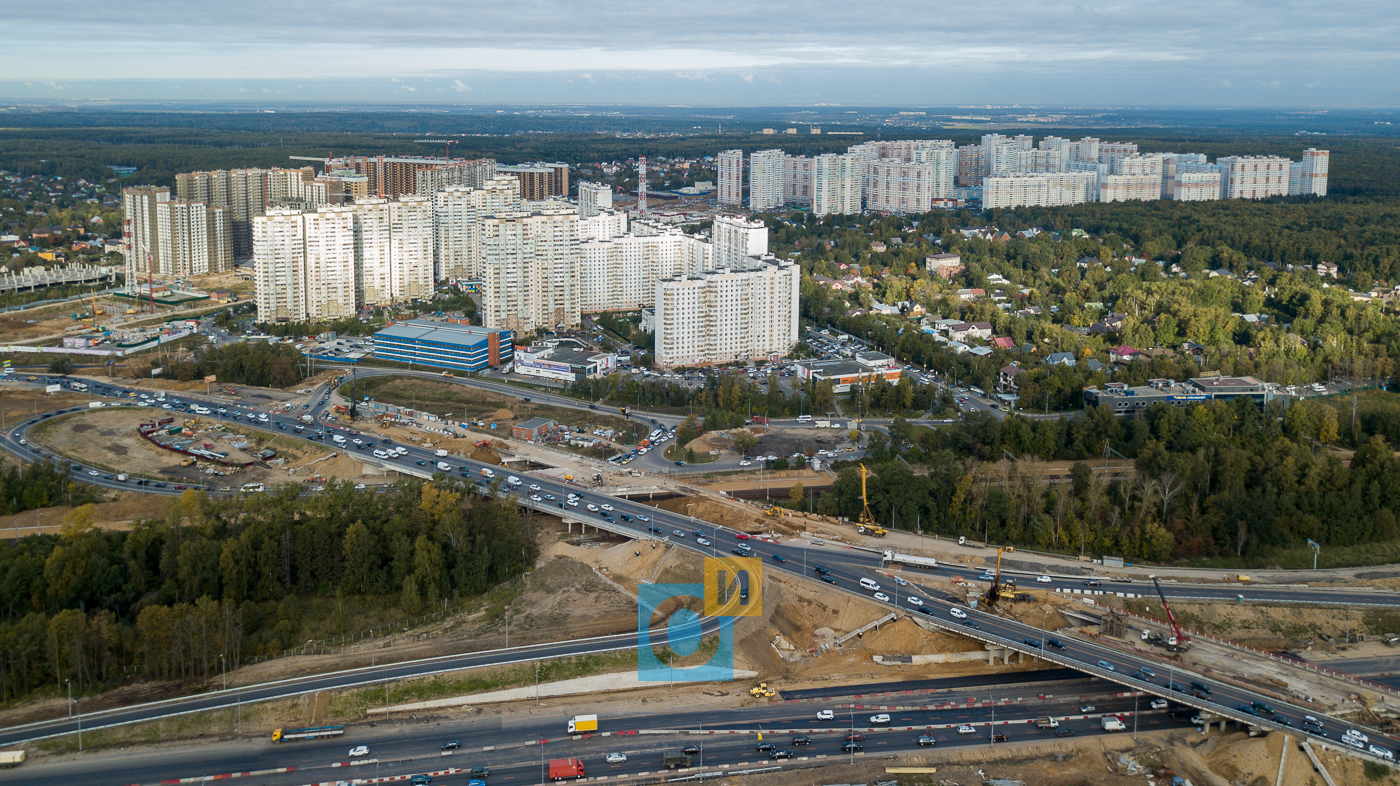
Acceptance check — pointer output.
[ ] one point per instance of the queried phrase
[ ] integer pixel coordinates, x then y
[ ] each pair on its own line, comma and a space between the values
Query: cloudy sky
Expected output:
898, 52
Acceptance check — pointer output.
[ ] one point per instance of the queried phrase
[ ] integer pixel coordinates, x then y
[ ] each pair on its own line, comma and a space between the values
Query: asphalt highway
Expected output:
845, 567
513, 745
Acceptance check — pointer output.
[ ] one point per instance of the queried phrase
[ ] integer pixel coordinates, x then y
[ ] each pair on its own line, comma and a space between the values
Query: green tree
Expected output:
795, 494
62, 364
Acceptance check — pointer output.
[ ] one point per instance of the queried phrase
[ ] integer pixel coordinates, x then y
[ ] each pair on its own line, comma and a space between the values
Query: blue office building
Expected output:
445, 345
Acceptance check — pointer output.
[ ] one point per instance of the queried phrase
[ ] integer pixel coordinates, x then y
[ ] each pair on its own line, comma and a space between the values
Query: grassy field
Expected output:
466, 403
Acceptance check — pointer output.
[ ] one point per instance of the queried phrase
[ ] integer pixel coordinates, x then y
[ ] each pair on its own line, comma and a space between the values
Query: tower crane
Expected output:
446, 145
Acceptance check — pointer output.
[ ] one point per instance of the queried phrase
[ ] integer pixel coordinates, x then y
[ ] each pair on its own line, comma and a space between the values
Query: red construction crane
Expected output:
1179, 640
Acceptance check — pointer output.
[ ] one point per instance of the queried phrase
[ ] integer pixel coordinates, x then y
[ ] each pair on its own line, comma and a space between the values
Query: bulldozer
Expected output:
772, 511
762, 691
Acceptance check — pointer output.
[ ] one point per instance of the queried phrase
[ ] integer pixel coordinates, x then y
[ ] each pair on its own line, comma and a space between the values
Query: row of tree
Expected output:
227, 576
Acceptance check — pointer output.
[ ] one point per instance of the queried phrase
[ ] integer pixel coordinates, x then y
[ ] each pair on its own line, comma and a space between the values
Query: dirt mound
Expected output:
714, 440
485, 456
903, 637
733, 516
501, 414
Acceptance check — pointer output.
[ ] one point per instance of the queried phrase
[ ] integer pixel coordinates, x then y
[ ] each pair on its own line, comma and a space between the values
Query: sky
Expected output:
1343, 53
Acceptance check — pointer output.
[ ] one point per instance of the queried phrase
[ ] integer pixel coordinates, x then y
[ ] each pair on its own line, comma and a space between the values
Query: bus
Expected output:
804, 418
81, 387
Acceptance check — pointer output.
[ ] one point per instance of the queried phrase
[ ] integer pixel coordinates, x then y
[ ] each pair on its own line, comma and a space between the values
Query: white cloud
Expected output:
747, 78
692, 76
409, 89
461, 86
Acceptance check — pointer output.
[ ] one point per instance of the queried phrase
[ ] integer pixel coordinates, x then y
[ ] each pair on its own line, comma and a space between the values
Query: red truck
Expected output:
559, 769
759, 420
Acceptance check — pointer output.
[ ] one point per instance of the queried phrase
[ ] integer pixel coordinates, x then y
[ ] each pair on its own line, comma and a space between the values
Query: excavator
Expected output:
1000, 589
867, 525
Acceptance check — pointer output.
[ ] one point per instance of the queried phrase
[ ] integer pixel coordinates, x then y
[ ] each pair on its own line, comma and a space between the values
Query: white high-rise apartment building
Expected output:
1170, 162
943, 157
836, 182
1086, 149
457, 215
1111, 153
798, 172
1126, 188
593, 198
243, 191
1039, 161
140, 237
1195, 186
1064, 146
766, 180
1050, 189
602, 226
279, 265
897, 186
728, 316
394, 245
1312, 174
1253, 177
729, 165
620, 273
195, 239
331, 273
531, 278
736, 240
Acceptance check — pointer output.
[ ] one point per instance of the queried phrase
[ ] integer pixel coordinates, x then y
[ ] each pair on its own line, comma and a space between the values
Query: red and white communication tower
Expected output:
642, 185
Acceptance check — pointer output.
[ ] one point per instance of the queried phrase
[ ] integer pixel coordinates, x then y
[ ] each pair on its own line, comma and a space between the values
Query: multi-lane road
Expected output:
846, 568
513, 743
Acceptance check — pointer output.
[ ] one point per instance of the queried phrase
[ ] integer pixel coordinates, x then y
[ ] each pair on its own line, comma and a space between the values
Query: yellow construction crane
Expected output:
867, 525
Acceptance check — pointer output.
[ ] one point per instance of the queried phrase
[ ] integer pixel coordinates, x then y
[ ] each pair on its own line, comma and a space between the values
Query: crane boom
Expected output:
1181, 640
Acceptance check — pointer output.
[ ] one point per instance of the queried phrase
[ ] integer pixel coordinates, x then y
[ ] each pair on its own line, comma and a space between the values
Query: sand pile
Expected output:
734, 516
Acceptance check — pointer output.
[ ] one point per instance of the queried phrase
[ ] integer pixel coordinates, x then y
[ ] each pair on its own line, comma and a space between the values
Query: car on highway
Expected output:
1031, 643
741, 536
1246, 709
536, 498
855, 737
691, 750
1043, 579
1087, 708
592, 508
573, 503
607, 507
1093, 583
882, 597
1056, 643
1377, 750
801, 739
779, 754
702, 541
656, 530
1262, 707
881, 719
966, 729
617, 758
825, 715
359, 750
1103, 664
94, 472
779, 558
852, 747
900, 582
1145, 670
915, 600
1158, 704
420, 780
534, 487
926, 741
959, 613
1064, 731
642, 517
451, 745
986, 577
764, 746
677, 533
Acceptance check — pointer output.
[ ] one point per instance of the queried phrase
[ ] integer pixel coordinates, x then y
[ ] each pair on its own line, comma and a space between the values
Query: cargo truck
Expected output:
893, 557
674, 760
316, 733
560, 769
1111, 723
580, 724
1046, 723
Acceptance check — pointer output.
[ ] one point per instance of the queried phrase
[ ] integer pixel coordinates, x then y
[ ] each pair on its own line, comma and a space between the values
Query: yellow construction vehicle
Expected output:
1000, 589
772, 511
762, 691
866, 525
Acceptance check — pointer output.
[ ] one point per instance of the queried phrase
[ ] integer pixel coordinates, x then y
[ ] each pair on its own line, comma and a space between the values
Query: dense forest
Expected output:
232, 576
244, 363
1215, 481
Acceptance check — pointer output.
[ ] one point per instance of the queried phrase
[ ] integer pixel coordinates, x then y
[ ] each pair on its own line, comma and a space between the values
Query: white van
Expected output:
487, 473
250, 487
440, 453
444, 466
339, 440
870, 585
402, 451
804, 418
379, 454
513, 480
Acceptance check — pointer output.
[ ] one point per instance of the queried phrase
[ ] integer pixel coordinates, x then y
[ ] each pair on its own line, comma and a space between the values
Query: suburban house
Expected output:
1123, 354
